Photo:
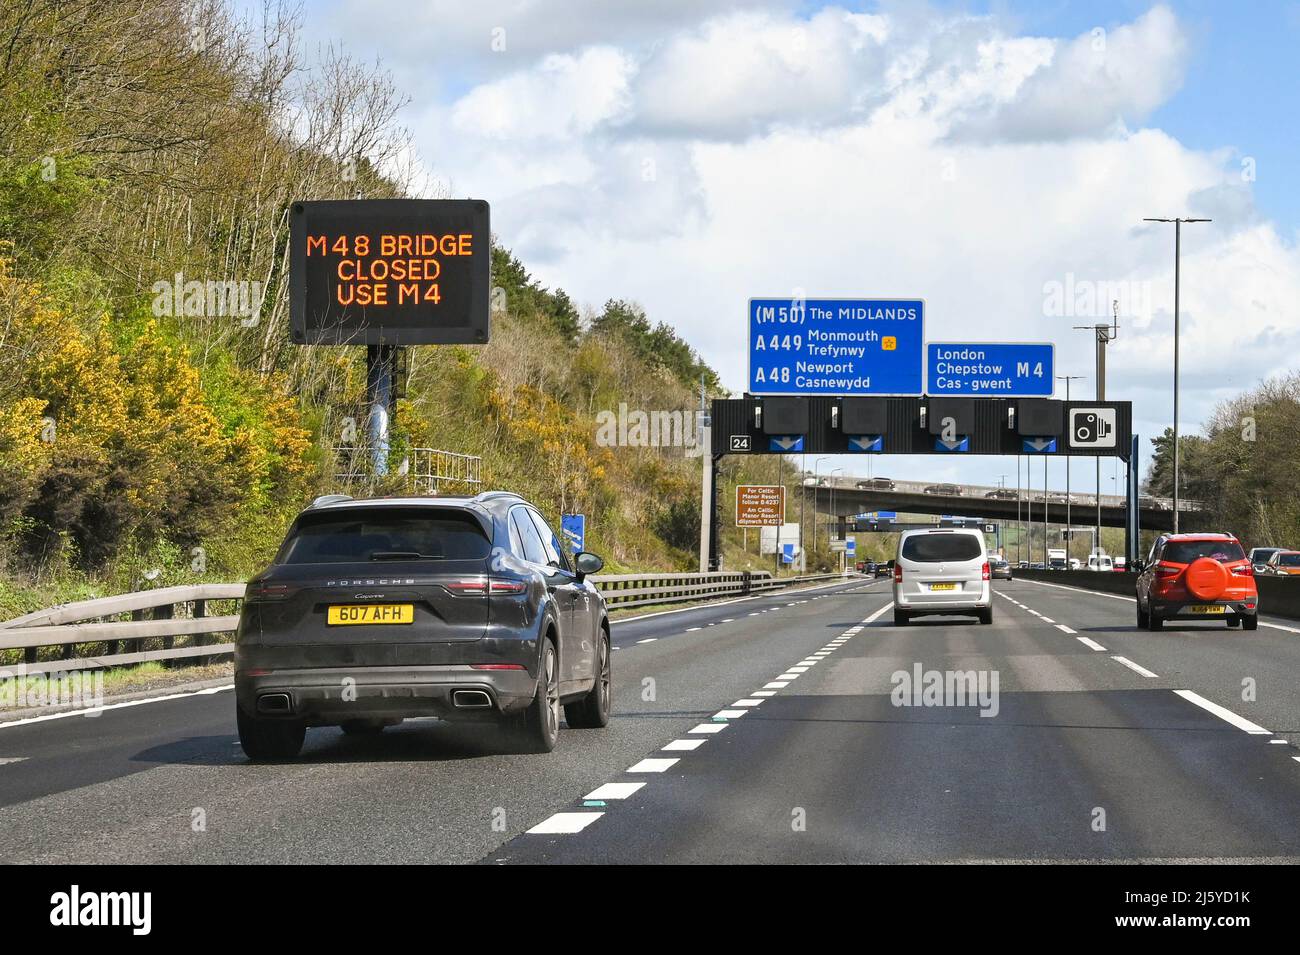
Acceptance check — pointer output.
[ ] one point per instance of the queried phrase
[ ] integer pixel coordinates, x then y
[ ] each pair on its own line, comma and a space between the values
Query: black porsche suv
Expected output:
466, 609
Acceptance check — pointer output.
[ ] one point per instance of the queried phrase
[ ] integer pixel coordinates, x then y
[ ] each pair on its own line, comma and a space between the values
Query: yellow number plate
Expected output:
371, 613
1208, 608
943, 586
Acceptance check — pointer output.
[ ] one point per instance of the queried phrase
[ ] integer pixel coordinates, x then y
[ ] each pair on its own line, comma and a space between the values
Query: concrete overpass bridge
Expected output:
846, 496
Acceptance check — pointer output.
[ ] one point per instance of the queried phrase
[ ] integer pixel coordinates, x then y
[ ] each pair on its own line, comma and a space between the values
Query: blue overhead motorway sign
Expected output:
821, 346
999, 369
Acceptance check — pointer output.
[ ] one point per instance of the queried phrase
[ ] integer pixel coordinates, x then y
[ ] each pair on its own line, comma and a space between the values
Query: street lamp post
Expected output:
1178, 248
1105, 334
833, 523
817, 483
1066, 536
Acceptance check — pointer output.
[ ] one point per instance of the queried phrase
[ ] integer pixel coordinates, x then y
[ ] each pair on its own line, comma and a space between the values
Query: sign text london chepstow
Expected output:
836, 346
999, 369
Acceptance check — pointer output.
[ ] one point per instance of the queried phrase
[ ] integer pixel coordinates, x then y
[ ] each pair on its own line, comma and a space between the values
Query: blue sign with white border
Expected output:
574, 529
830, 346
997, 369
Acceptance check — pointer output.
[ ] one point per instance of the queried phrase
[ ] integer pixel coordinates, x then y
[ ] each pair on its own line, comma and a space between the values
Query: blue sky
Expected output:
1242, 87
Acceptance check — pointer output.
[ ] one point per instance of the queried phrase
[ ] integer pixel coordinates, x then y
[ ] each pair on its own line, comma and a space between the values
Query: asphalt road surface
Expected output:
771, 729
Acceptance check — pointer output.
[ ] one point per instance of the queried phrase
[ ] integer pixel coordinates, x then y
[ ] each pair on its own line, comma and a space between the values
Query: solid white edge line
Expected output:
1140, 670
94, 711
1224, 713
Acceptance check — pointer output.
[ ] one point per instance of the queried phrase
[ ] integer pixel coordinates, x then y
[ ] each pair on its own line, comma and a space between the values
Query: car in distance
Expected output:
1284, 563
876, 484
949, 489
1259, 557
462, 608
999, 569
885, 568
1001, 494
1197, 577
1101, 562
942, 571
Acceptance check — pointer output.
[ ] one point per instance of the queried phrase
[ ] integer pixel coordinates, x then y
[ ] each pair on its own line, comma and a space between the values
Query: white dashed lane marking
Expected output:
651, 765
683, 745
1140, 670
1091, 644
614, 791
1223, 713
565, 823
708, 728
573, 822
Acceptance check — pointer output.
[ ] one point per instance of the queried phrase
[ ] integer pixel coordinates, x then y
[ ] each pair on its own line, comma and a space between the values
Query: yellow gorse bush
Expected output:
105, 440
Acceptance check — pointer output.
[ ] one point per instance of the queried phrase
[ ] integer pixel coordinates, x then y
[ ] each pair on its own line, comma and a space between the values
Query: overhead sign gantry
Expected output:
858, 424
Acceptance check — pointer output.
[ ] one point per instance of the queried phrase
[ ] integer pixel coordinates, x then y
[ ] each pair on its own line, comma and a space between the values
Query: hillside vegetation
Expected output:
148, 144
1243, 468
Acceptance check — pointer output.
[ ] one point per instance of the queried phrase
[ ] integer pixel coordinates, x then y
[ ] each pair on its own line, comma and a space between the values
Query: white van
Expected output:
1101, 562
942, 570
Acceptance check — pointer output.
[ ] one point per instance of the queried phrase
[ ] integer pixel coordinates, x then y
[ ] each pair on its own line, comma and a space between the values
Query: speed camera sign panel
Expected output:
1092, 428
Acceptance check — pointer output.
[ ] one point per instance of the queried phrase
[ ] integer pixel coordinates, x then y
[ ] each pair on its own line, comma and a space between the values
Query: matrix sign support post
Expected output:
1132, 524
707, 497
381, 365
715, 521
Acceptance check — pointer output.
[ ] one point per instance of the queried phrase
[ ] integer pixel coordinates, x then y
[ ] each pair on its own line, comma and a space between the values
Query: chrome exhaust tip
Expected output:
470, 699
274, 703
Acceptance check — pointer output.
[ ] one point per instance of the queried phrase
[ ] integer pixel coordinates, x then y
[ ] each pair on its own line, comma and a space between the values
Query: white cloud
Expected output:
1099, 80
563, 97
696, 161
738, 75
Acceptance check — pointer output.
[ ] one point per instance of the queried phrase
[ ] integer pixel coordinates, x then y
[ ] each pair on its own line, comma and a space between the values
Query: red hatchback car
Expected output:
1197, 577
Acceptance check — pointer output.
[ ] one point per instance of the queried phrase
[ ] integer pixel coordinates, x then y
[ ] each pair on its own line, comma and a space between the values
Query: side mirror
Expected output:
587, 563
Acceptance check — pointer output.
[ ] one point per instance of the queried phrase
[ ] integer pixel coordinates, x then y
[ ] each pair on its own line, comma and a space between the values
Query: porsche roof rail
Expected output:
330, 499
494, 495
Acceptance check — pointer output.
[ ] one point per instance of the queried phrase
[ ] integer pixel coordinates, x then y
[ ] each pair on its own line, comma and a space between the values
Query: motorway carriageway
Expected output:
756, 730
